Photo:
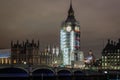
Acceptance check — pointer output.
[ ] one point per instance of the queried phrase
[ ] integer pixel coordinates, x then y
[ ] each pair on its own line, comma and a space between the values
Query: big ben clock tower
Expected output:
70, 38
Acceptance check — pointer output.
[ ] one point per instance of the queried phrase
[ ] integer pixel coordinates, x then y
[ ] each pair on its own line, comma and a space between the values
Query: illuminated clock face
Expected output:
77, 28
68, 28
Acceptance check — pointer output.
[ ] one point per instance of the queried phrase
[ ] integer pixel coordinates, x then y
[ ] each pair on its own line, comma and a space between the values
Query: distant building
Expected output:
81, 56
29, 53
111, 55
98, 63
5, 56
80, 63
90, 59
54, 56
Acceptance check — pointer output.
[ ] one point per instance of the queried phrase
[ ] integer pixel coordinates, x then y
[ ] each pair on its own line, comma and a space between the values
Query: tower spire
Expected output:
71, 13
70, 2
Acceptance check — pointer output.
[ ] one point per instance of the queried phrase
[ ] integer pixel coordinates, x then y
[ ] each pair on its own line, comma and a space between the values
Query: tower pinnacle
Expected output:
71, 13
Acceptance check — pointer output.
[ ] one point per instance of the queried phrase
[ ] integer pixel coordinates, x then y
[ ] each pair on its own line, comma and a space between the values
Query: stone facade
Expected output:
111, 55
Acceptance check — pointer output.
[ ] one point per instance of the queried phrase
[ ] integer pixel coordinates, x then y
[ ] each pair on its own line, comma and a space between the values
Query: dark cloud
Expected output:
41, 19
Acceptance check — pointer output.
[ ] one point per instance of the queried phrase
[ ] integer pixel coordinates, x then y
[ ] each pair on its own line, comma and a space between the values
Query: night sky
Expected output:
41, 20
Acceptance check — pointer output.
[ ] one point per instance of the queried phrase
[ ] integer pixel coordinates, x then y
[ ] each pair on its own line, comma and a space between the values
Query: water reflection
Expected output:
48, 74
65, 77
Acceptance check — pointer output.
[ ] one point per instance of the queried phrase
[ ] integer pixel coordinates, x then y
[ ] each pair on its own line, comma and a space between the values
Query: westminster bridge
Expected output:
59, 73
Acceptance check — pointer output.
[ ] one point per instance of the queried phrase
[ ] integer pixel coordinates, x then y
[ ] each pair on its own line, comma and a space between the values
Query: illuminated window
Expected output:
77, 28
119, 67
115, 67
102, 64
57, 51
105, 64
102, 56
2, 60
14, 61
105, 57
118, 50
6, 61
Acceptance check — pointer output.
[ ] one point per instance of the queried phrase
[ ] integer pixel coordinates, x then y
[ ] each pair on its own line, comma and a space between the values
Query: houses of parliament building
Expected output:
29, 53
